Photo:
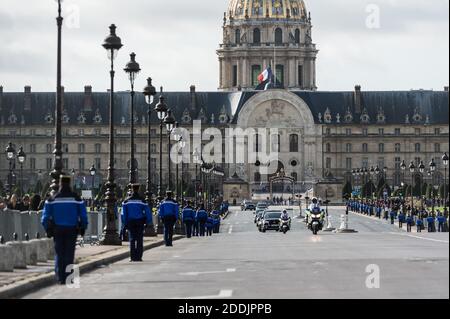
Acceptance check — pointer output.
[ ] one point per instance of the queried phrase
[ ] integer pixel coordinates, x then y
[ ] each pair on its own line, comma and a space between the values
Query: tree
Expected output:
381, 184
368, 189
442, 190
417, 191
347, 190
385, 187
424, 189
2, 190
38, 187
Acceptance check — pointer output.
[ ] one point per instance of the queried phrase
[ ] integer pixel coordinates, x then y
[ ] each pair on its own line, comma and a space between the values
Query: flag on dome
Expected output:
265, 79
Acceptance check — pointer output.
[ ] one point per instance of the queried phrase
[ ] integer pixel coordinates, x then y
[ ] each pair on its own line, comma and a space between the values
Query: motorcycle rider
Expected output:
315, 208
285, 218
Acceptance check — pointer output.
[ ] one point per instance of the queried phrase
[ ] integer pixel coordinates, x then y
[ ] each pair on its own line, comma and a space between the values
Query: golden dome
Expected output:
242, 9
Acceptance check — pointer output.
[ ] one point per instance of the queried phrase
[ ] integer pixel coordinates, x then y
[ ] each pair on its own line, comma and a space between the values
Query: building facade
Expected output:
320, 135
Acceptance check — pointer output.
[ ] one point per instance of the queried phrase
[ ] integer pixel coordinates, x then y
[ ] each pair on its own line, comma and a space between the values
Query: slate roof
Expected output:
398, 107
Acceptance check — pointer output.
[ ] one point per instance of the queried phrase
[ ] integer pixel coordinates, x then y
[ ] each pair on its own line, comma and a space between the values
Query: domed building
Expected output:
258, 34
320, 138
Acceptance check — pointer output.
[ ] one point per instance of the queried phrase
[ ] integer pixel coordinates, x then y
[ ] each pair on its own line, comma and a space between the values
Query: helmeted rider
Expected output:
285, 216
315, 206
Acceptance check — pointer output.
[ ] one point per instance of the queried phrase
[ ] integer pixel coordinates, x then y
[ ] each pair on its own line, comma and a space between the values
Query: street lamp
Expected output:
169, 121
445, 162
112, 45
57, 163
149, 93
403, 168
412, 169
10, 156
421, 171
72, 173
177, 136
161, 112
196, 158
21, 157
132, 69
432, 171
92, 172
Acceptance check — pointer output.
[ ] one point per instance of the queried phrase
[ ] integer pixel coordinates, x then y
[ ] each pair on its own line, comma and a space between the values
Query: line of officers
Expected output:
65, 217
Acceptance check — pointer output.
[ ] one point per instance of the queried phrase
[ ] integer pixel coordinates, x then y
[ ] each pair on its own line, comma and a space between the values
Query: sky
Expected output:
379, 44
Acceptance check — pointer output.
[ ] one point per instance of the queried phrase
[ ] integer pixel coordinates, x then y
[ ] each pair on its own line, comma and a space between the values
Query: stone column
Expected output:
291, 72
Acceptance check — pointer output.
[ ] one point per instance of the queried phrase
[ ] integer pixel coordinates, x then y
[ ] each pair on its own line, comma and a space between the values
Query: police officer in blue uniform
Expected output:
202, 217
168, 212
136, 216
64, 217
188, 216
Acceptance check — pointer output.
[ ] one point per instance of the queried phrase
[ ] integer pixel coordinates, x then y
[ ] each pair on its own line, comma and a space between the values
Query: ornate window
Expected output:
297, 36
278, 36
256, 71
238, 36
256, 36
293, 143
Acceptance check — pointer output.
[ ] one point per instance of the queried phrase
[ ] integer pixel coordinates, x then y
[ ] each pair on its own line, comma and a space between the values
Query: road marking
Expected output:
418, 237
222, 294
229, 270
230, 230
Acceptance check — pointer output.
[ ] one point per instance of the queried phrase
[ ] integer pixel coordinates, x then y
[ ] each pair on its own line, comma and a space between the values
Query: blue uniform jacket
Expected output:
430, 220
169, 208
441, 219
65, 209
202, 215
135, 208
209, 222
188, 214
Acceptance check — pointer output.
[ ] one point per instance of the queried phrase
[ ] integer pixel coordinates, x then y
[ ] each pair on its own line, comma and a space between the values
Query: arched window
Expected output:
256, 36
238, 36
297, 36
328, 148
256, 71
293, 143
276, 142
278, 36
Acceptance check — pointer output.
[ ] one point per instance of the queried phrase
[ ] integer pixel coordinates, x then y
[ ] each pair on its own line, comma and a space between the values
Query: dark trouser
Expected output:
400, 224
217, 228
419, 228
188, 226
392, 220
65, 240
408, 228
209, 231
201, 226
441, 227
430, 227
195, 231
136, 234
169, 223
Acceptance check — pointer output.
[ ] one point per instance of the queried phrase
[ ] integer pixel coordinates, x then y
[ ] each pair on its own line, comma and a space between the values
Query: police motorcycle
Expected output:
284, 226
315, 220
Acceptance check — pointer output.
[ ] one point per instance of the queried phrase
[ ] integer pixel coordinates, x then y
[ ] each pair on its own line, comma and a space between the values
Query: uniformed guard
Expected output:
202, 217
188, 216
64, 217
168, 212
209, 225
136, 216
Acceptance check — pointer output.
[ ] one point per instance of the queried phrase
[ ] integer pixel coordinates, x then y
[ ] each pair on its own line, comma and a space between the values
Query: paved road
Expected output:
243, 263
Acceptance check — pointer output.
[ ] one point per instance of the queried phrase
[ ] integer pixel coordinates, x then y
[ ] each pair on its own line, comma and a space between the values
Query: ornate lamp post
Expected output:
177, 136
149, 93
112, 45
421, 171
445, 162
161, 112
132, 69
21, 157
10, 156
182, 143
412, 169
57, 162
432, 171
403, 168
196, 157
72, 173
169, 121
92, 172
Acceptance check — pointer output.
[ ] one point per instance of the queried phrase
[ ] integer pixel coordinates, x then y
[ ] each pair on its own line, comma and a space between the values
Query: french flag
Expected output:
264, 79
